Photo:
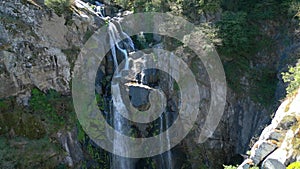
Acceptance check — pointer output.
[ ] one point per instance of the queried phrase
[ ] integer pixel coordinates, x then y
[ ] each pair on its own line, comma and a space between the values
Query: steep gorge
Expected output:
39, 49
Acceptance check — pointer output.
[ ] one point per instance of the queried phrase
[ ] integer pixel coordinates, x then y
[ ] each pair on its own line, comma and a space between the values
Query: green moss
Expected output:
87, 35
23, 153
5, 104
101, 102
81, 134
230, 167
72, 54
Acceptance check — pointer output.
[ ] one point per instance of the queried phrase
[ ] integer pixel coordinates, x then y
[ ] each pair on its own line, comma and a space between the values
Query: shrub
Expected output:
235, 167
238, 37
50, 105
229, 167
60, 6
294, 165
293, 78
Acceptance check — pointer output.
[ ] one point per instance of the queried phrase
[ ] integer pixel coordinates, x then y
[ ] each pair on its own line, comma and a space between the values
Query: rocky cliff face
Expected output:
38, 47
37, 50
278, 144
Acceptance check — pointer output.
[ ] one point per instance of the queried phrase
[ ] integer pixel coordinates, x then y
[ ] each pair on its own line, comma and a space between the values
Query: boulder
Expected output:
261, 150
272, 164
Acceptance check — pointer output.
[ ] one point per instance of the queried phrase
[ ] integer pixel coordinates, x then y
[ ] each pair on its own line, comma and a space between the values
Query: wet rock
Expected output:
69, 142
150, 77
139, 96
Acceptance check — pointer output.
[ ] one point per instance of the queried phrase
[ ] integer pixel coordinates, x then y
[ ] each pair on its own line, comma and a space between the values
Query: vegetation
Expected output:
294, 165
292, 77
235, 167
26, 133
52, 107
230, 167
239, 35
21, 152
60, 6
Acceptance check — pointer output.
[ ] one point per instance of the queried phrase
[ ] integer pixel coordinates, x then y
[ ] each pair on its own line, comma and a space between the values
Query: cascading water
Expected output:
114, 38
121, 45
166, 158
119, 125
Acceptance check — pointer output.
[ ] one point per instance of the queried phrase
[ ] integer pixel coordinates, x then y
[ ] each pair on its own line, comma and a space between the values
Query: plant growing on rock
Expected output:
60, 6
293, 78
234, 167
294, 165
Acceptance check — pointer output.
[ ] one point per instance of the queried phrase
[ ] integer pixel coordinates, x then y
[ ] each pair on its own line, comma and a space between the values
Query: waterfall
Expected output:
121, 45
119, 125
114, 40
165, 158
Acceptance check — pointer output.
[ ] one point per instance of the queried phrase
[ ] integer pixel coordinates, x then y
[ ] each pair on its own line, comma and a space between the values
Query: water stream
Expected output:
120, 46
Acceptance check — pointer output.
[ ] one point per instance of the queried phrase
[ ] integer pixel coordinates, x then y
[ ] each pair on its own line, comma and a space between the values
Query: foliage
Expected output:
18, 123
229, 167
263, 85
126, 4
26, 133
61, 7
294, 165
235, 167
24, 153
6, 104
99, 156
52, 107
72, 54
293, 8
292, 77
238, 37
209, 5
150, 6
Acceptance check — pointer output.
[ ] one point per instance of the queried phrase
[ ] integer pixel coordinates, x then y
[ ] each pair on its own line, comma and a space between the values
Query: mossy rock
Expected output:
287, 122
6, 104
21, 124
